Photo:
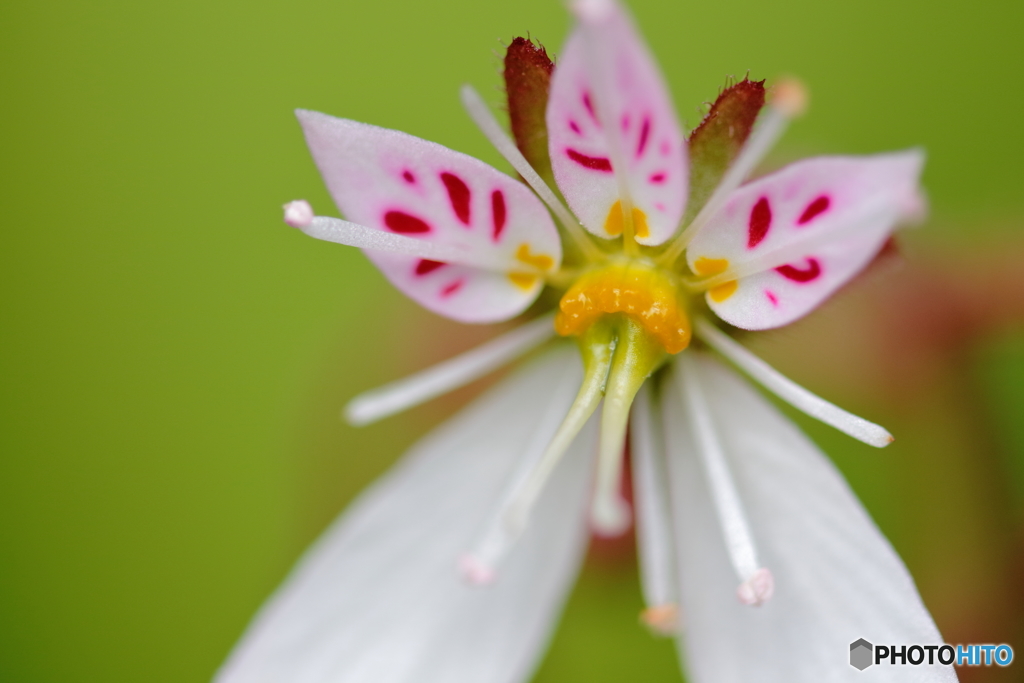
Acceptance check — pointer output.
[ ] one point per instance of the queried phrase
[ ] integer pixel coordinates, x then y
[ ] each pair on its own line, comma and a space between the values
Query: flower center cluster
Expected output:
637, 288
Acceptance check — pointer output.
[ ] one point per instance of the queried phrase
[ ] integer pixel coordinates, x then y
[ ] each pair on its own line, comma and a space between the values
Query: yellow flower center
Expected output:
636, 288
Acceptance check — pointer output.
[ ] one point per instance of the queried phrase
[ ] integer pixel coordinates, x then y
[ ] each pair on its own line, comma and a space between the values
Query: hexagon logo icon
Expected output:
860, 654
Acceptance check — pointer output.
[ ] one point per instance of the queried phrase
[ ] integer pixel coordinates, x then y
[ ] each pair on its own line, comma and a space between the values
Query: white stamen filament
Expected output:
653, 518
448, 375
489, 126
789, 391
770, 128
514, 513
756, 585
354, 235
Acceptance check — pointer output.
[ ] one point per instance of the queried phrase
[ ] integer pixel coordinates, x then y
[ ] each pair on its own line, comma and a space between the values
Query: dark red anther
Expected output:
527, 81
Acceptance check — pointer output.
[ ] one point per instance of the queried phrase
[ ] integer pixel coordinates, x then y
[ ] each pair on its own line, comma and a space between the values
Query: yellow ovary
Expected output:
633, 288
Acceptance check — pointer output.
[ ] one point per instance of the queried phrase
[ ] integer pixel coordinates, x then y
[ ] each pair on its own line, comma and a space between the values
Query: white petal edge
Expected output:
837, 578
378, 597
448, 375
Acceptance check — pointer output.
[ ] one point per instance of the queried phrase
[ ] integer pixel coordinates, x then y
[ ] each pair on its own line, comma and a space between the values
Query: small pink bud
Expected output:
298, 214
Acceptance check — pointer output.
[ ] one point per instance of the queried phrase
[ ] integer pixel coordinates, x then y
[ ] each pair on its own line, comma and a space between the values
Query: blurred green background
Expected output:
174, 357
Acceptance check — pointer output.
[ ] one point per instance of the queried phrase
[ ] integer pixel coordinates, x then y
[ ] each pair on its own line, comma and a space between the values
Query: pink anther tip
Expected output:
475, 570
298, 214
758, 589
790, 97
663, 620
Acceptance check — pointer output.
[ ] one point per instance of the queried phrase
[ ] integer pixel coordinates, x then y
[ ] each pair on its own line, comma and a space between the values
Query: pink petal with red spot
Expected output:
796, 236
394, 182
608, 102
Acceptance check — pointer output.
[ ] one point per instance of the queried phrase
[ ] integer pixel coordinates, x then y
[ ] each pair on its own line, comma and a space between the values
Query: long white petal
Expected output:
791, 392
379, 598
837, 579
448, 375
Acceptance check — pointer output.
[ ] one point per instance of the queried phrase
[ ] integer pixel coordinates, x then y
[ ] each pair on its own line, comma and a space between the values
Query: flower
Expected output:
753, 549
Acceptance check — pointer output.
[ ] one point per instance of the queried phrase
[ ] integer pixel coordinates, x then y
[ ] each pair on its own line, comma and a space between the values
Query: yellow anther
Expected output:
633, 288
613, 223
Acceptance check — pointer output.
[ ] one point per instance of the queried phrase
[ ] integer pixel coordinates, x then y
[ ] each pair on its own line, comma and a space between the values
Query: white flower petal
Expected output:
785, 242
379, 597
612, 130
837, 579
399, 184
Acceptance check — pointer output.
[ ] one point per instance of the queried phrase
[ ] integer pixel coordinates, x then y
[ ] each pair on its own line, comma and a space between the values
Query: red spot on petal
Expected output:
593, 163
811, 272
399, 221
589, 105
771, 297
760, 221
575, 127
645, 131
409, 177
452, 287
498, 213
666, 148
458, 193
625, 122
815, 208
657, 178
427, 266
